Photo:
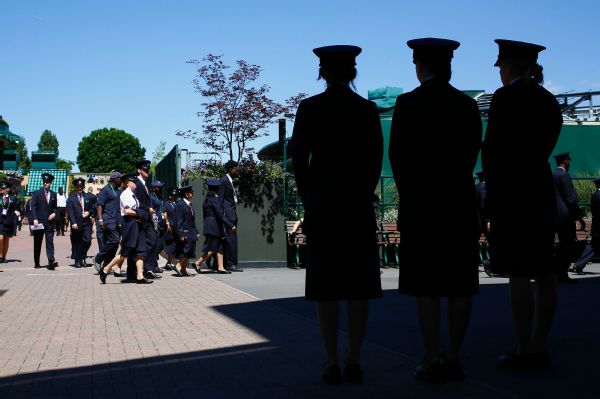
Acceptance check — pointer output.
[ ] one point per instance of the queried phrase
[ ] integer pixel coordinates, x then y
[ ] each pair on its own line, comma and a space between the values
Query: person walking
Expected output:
593, 248
142, 194
229, 200
157, 216
452, 141
185, 231
80, 209
43, 214
567, 213
170, 239
331, 128
514, 251
61, 211
108, 215
8, 217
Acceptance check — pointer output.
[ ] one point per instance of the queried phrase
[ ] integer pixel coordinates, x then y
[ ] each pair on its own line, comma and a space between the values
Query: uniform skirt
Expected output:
133, 239
185, 249
212, 244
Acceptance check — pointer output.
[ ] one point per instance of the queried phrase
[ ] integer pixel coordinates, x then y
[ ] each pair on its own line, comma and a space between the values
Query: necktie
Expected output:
3, 201
81, 203
47, 197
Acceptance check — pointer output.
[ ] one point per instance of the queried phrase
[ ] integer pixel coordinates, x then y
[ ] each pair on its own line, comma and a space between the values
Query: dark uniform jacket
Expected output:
41, 209
7, 211
185, 222
567, 208
76, 213
481, 192
143, 195
524, 123
433, 157
108, 199
213, 216
227, 196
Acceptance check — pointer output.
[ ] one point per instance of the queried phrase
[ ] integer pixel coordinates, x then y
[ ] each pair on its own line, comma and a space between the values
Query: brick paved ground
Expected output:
62, 334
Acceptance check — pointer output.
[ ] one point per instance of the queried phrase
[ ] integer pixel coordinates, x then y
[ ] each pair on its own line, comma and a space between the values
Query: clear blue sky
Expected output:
76, 66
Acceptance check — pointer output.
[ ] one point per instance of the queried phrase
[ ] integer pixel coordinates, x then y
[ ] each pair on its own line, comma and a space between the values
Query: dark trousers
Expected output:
60, 220
565, 251
100, 236
81, 240
131, 269
153, 249
38, 236
230, 249
110, 237
588, 253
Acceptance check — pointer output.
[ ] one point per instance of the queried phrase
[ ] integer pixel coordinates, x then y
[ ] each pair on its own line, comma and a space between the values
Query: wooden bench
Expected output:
388, 242
295, 245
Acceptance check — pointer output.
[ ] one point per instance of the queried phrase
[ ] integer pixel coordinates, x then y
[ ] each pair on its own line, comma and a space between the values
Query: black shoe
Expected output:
143, 281
353, 373
487, 268
159, 270
3, 260
102, 276
77, 264
576, 270
177, 272
151, 275
430, 372
235, 269
184, 273
168, 267
332, 374
37, 266
118, 274
52, 265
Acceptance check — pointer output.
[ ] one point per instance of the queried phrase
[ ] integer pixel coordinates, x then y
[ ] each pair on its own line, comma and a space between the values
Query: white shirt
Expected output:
128, 201
143, 182
234, 193
61, 200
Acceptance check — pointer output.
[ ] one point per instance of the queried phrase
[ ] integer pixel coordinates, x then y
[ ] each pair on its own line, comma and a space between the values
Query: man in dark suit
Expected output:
170, 239
567, 213
43, 206
142, 193
229, 200
154, 238
80, 209
593, 247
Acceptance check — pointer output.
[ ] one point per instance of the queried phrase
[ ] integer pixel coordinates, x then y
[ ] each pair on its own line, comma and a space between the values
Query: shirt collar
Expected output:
560, 167
230, 179
187, 202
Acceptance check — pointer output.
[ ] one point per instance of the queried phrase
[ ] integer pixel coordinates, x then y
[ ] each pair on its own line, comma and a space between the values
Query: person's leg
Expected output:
521, 303
139, 267
5, 243
459, 314
358, 312
38, 236
117, 260
567, 234
2, 240
328, 314
428, 312
584, 258
220, 266
545, 309
49, 233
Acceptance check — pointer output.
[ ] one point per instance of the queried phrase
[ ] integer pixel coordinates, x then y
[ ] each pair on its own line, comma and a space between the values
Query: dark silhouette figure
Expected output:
229, 200
524, 123
480, 193
450, 141
336, 129
593, 247
43, 207
567, 213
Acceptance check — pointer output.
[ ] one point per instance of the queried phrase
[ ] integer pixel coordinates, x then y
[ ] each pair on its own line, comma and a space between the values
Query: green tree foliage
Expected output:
65, 164
106, 149
158, 155
48, 142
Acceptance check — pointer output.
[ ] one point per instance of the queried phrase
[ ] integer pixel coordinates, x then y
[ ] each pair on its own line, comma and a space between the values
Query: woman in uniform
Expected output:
524, 124
449, 142
185, 231
334, 130
8, 218
132, 243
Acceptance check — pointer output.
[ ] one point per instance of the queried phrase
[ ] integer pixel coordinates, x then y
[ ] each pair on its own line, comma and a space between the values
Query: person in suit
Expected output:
567, 213
133, 244
185, 231
170, 240
80, 209
61, 210
157, 210
108, 214
593, 248
514, 251
229, 199
329, 129
212, 228
43, 207
456, 129
8, 218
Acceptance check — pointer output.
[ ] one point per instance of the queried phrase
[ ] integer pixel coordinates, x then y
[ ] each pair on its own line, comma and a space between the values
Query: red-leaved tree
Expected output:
236, 110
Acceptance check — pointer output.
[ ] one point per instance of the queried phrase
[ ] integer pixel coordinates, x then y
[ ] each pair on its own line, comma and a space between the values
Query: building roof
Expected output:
35, 179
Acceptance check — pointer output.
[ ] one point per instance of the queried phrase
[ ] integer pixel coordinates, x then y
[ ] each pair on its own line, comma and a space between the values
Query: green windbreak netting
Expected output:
35, 179
385, 97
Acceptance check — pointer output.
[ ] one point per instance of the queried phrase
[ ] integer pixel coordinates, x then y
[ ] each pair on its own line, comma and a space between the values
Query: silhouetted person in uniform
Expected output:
142, 194
331, 129
185, 230
43, 207
567, 213
453, 271
593, 248
524, 123
229, 201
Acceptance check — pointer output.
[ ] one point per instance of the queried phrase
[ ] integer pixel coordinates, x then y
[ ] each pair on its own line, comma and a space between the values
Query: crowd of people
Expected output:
133, 224
338, 124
